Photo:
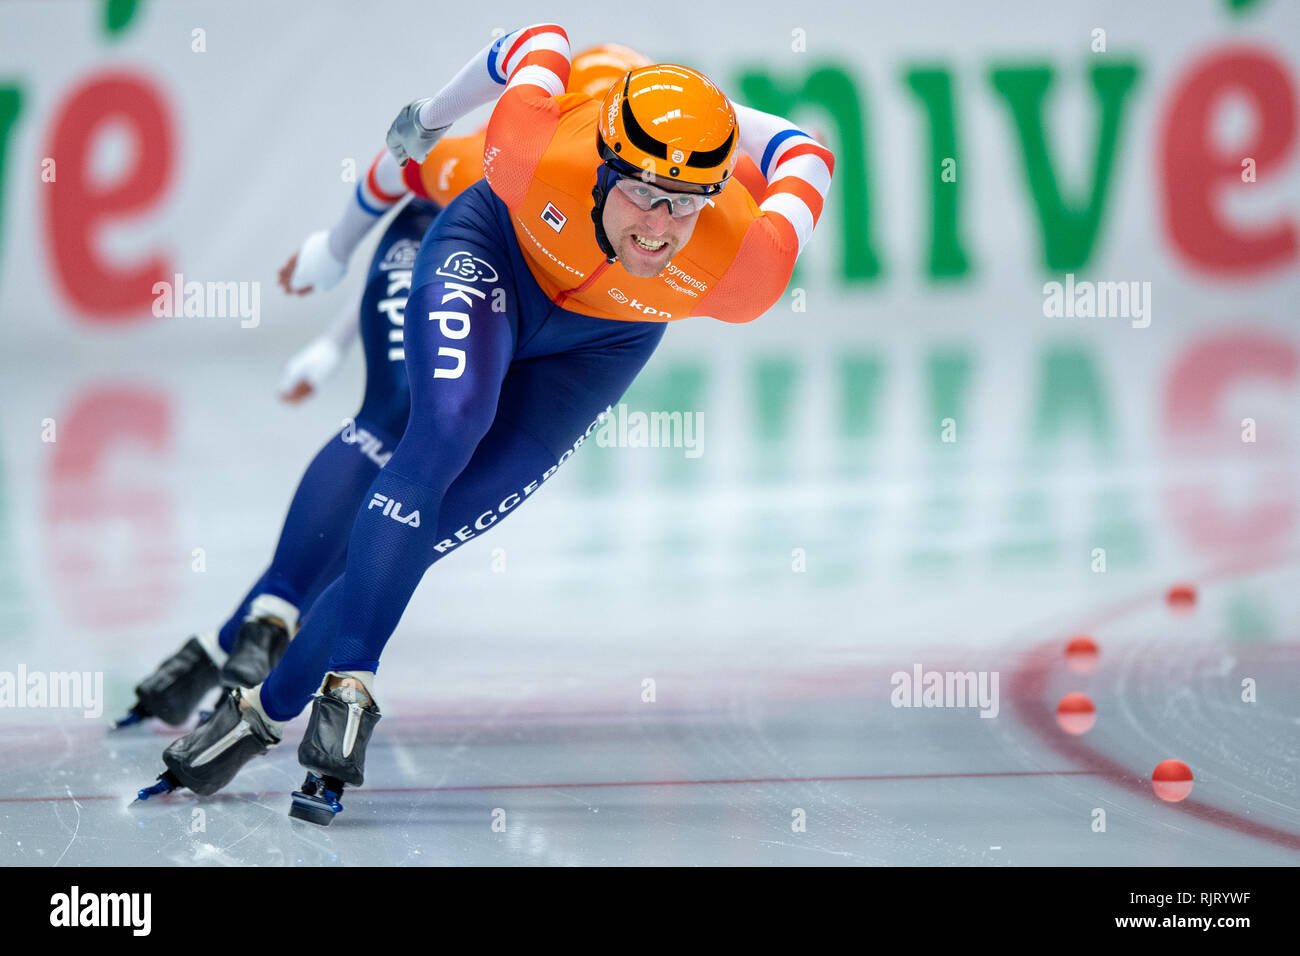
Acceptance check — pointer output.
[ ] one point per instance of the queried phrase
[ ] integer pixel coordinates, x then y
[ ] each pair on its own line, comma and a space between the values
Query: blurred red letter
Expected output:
110, 520
78, 206
1197, 170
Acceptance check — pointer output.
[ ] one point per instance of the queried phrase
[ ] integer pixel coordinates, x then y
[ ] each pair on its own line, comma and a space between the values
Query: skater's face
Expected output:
645, 239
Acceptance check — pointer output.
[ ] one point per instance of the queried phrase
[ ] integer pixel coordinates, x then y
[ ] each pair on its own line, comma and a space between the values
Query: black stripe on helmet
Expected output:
638, 137
708, 158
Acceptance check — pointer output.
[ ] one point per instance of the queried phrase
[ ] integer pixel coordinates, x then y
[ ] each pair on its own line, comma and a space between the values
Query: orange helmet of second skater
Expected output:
671, 126
594, 70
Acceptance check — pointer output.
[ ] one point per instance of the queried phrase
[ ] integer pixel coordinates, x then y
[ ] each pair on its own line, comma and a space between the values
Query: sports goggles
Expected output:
645, 196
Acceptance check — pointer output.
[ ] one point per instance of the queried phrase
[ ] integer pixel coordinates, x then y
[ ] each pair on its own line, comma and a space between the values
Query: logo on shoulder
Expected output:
444, 174
552, 216
617, 296
400, 255
467, 268
672, 272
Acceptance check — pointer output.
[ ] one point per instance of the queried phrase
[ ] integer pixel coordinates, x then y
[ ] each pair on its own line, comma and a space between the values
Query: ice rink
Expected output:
579, 771
519, 726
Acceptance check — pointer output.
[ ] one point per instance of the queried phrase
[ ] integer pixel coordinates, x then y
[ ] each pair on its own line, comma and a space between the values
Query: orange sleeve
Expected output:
757, 276
521, 127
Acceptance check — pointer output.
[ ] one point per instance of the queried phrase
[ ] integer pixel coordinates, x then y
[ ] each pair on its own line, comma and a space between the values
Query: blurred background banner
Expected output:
1043, 346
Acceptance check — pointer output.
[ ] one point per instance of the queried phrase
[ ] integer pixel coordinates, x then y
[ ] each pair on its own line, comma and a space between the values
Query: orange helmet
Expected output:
596, 69
671, 126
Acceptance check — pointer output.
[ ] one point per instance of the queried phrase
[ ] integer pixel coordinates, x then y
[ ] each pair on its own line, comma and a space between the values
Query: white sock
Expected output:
253, 698
268, 605
365, 678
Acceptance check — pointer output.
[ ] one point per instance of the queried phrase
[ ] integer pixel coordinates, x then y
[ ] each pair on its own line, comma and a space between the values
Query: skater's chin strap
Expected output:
605, 180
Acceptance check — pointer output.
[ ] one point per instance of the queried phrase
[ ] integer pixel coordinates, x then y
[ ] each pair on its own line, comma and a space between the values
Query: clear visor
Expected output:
645, 196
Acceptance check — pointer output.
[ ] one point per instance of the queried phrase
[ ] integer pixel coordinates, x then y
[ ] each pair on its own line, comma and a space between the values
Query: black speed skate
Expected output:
172, 691
259, 645
334, 752
207, 758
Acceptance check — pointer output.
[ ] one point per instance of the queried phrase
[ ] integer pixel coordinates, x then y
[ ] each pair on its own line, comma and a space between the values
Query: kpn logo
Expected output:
618, 296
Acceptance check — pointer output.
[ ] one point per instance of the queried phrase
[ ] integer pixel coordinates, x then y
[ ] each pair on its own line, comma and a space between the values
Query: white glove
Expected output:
407, 137
316, 265
307, 370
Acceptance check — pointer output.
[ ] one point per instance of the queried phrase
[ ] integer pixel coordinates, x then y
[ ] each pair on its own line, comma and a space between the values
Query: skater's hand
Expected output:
286, 274
312, 267
407, 137
307, 370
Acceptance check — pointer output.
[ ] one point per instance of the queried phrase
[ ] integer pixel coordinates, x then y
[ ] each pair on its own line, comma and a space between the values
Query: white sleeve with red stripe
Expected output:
380, 190
527, 56
797, 168
514, 59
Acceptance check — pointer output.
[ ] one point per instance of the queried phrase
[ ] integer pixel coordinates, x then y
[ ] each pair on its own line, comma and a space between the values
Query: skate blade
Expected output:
132, 718
313, 809
166, 784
